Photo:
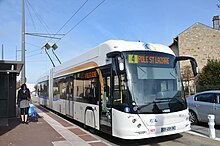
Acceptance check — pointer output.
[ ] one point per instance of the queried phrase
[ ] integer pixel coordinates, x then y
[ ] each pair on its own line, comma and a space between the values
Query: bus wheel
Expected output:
193, 118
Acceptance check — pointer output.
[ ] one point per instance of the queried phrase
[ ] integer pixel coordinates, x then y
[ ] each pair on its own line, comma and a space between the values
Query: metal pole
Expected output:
2, 52
49, 57
56, 56
16, 54
23, 79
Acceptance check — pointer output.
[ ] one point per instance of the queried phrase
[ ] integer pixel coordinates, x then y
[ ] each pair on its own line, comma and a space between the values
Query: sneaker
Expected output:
26, 122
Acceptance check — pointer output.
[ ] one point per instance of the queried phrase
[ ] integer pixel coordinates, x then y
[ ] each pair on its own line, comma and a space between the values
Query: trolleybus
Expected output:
130, 90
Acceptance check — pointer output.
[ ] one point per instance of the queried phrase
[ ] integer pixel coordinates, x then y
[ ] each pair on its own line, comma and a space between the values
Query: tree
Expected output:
209, 78
187, 76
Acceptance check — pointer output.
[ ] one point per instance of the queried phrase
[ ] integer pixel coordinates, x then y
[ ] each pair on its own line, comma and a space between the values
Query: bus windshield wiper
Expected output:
169, 98
154, 102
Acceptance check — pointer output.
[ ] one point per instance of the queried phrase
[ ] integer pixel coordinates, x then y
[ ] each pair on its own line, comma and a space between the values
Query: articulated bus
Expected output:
130, 90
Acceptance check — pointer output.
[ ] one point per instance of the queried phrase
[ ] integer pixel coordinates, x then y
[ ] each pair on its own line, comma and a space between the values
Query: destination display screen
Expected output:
150, 59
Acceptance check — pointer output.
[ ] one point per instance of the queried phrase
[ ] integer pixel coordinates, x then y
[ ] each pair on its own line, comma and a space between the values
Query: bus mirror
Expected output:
195, 68
193, 62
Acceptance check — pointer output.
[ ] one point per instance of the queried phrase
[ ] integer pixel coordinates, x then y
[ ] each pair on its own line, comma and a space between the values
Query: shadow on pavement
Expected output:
149, 141
14, 122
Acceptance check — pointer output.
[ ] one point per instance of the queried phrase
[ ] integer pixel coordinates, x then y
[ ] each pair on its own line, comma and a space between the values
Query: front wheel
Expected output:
193, 118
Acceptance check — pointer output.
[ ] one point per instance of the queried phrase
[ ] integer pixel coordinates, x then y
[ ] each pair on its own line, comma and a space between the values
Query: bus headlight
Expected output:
139, 125
134, 120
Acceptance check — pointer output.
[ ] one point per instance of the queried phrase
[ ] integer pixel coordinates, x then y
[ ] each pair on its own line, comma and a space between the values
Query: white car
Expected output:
202, 104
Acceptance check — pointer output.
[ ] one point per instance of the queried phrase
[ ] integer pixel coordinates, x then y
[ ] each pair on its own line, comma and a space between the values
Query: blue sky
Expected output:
155, 21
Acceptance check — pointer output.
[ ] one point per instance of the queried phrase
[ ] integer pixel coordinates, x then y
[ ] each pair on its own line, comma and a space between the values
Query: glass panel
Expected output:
78, 89
86, 87
56, 94
206, 98
63, 88
43, 89
120, 93
70, 89
154, 82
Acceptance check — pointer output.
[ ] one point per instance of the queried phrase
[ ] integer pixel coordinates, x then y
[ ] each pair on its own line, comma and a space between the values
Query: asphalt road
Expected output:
182, 139
202, 128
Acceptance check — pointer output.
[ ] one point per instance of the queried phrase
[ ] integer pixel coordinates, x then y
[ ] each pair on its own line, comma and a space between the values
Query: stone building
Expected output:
199, 41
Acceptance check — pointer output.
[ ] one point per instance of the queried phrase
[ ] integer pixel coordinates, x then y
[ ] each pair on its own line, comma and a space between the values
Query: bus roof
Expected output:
97, 56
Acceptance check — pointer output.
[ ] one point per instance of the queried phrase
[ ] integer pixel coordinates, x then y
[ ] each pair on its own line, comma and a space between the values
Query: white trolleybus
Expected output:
130, 90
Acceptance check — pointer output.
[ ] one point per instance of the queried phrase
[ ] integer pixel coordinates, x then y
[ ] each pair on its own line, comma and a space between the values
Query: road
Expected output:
182, 139
202, 128
198, 136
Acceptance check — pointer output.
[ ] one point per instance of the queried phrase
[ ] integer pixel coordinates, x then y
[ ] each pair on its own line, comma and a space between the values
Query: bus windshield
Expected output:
154, 83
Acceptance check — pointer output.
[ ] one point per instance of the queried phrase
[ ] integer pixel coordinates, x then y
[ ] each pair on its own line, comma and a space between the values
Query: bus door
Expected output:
69, 99
105, 107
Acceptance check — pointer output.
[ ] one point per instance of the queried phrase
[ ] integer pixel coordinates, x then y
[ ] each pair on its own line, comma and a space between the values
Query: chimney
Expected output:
216, 22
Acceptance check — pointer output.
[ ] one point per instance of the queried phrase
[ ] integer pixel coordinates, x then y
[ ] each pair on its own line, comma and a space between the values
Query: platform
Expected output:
47, 129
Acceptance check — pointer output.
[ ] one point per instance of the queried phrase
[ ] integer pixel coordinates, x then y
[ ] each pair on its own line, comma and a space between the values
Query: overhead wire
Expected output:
32, 20
45, 26
82, 19
19, 55
36, 60
33, 45
34, 54
36, 50
71, 17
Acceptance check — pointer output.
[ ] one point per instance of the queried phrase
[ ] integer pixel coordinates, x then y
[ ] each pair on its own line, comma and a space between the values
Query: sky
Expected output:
150, 21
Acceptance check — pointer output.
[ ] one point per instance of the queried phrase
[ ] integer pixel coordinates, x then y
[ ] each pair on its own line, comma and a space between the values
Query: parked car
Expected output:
202, 104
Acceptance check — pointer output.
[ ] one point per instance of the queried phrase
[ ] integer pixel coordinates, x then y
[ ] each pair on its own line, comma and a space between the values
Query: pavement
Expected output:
47, 129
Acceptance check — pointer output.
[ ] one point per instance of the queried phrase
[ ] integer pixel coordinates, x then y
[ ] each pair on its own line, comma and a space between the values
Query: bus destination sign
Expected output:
135, 59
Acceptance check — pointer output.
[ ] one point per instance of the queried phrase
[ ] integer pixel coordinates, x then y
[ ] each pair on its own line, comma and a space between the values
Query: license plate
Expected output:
164, 129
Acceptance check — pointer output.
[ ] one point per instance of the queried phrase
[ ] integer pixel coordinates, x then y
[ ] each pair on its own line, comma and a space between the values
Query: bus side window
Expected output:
120, 93
86, 88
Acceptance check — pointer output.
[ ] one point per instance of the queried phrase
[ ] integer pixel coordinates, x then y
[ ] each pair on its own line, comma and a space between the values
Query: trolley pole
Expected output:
23, 78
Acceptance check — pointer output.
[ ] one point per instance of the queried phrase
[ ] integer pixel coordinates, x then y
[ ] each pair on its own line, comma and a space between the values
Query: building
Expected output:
199, 41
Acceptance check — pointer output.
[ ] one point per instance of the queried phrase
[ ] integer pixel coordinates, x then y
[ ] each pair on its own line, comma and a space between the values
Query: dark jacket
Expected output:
23, 95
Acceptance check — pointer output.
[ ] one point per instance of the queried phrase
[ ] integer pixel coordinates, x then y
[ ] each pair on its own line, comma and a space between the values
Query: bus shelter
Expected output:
9, 70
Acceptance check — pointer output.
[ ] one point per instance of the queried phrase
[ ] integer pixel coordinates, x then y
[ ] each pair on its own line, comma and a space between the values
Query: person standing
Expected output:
23, 101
